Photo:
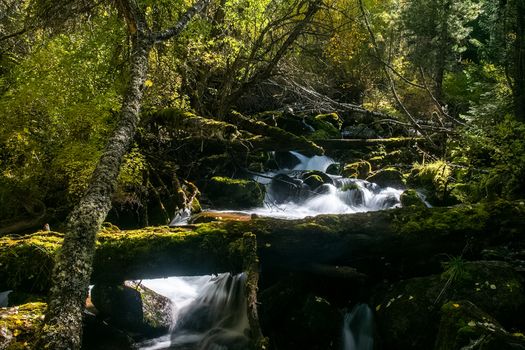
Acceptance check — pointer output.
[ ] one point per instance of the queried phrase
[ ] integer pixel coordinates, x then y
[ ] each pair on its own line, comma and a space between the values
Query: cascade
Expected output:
209, 313
358, 329
344, 196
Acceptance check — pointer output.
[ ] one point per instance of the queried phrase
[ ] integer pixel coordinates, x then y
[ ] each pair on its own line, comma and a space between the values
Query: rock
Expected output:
284, 188
286, 160
133, 307
357, 170
121, 304
19, 324
432, 179
334, 169
388, 177
333, 118
156, 308
408, 315
411, 198
224, 192
463, 325
315, 178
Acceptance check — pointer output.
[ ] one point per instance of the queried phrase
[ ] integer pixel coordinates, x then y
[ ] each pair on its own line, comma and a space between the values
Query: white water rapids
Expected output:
345, 196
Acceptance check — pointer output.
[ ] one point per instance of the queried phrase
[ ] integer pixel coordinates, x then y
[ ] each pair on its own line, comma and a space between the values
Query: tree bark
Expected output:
519, 75
63, 324
71, 275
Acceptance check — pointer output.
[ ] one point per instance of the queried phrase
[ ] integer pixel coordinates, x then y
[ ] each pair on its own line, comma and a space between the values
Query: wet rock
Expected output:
133, 307
224, 192
156, 308
121, 304
284, 188
411, 198
357, 170
334, 169
388, 177
465, 326
286, 160
408, 315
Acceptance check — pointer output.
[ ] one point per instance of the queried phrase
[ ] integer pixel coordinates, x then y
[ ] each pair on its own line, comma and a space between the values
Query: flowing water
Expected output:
4, 298
358, 329
209, 313
344, 196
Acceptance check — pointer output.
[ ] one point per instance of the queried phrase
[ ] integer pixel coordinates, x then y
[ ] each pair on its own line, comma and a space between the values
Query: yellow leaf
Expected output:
455, 305
148, 83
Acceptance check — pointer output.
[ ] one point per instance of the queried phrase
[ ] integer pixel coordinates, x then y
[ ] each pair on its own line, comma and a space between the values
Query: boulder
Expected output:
314, 178
408, 315
286, 160
133, 307
411, 198
357, 170
465, 326
285, 188
388, 177
334, 169
228, 193
120, 304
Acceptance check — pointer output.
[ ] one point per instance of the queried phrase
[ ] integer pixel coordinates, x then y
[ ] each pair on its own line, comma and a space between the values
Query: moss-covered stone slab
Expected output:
19, 324
404, 241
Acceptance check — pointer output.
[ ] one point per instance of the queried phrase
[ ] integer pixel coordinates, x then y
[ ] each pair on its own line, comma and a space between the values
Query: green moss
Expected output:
388, 177
357, 170
411, 198
332, 118
229, 193
26, 262
20, 324
433, 178
349, 187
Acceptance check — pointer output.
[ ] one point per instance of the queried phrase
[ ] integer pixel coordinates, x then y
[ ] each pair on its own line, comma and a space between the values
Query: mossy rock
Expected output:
334, 169
121, 304
19, 324
408, 315
332, 118
433, 180
357, 170
314, 179
463, 325
25, 268
411, 198
389, 177
156, 308
228, 193
327, 126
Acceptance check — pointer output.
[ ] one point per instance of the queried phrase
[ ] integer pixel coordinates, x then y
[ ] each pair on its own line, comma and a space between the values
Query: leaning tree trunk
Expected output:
63, 324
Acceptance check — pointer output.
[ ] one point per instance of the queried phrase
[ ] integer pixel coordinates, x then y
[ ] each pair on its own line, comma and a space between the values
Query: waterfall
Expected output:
358, 329
210, 313
4, 298
343, 196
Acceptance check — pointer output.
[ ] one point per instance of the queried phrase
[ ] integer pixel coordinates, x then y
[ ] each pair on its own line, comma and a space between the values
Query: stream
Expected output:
210, 311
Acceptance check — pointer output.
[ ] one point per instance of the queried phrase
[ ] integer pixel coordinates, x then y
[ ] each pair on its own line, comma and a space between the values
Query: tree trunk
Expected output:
71, 275
519, 76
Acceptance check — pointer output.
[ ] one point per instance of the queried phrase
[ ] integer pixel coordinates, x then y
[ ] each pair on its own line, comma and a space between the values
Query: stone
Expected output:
357, 170
228, 193
410, 197
388, 177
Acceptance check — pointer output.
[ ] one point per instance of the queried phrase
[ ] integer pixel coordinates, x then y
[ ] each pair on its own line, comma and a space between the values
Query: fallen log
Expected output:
333, 144
405, 241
